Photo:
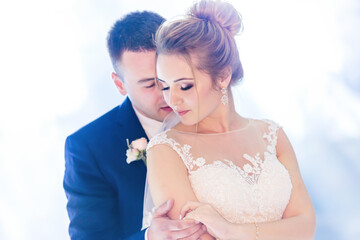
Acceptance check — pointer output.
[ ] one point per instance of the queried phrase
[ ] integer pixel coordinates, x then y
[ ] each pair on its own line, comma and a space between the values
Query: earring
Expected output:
224, 98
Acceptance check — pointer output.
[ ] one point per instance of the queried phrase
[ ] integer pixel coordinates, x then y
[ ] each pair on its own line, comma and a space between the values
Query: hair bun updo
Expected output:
205, 36
219, 12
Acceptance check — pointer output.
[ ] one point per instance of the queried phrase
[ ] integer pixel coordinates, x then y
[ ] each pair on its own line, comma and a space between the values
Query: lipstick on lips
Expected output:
182, 113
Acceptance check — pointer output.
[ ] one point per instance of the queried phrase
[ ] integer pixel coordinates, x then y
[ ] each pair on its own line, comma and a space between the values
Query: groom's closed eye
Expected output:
147, 82
150, 85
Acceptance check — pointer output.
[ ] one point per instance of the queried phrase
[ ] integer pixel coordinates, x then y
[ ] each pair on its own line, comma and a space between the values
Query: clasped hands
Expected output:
216, 225
197, 216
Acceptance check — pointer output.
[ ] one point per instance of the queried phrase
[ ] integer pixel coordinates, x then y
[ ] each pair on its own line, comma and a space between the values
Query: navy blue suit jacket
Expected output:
105, 194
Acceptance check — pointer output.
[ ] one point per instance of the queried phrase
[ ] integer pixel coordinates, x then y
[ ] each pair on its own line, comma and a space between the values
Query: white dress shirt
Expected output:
151, 128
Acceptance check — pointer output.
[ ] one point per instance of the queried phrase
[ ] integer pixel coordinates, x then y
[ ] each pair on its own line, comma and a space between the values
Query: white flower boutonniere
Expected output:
137, 150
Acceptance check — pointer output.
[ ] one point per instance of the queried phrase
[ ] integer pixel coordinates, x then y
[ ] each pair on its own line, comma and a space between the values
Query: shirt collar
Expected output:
150, 126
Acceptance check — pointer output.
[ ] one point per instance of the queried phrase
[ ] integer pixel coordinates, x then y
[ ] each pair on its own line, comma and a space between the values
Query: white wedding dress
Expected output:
237, 172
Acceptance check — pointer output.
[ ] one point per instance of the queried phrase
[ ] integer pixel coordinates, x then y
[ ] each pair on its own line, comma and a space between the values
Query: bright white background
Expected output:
301, 61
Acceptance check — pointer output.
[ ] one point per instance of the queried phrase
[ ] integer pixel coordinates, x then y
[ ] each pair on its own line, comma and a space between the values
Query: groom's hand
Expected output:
162, 227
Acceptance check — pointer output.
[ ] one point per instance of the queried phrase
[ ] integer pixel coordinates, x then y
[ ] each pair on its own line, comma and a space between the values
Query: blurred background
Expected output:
302, 69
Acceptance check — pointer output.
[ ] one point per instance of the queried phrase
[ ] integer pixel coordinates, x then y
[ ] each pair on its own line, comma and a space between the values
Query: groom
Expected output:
105, 194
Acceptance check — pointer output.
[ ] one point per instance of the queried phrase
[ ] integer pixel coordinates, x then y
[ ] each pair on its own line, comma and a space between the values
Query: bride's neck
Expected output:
223, 119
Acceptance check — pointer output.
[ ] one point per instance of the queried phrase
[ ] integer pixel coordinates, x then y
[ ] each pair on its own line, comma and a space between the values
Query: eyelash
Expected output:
187, 87
152, 85
183, 89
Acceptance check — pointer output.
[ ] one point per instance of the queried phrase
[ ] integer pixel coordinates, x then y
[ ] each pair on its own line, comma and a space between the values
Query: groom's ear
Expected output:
119, 83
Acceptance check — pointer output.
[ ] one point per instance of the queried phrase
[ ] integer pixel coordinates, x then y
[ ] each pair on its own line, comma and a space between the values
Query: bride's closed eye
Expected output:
186, 87
183, 88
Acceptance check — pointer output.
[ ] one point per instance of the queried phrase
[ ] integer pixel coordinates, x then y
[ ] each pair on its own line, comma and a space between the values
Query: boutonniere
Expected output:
136, 150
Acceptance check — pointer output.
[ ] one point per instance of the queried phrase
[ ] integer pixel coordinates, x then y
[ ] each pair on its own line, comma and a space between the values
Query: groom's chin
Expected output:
162, 113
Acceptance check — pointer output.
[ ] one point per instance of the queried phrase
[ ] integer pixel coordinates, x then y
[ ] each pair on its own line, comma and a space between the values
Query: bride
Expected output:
238, 176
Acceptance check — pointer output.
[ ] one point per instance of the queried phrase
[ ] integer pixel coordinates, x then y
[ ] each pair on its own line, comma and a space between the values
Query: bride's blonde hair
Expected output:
205, 34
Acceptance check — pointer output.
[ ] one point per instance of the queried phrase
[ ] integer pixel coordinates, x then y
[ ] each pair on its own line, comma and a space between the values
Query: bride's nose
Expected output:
175, 97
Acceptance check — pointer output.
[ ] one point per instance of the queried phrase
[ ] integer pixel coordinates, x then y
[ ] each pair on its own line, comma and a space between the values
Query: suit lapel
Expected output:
131, 127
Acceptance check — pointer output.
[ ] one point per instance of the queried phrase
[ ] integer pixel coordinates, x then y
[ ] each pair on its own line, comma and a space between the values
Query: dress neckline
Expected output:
250, 121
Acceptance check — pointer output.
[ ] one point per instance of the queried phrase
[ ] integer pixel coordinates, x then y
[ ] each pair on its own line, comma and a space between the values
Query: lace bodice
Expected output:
238, 173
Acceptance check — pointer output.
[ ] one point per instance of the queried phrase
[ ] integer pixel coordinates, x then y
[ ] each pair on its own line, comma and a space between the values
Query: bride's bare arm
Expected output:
167, 176
298, 220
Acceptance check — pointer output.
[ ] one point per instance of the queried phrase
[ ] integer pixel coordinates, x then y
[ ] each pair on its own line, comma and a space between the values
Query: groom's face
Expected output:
137, 71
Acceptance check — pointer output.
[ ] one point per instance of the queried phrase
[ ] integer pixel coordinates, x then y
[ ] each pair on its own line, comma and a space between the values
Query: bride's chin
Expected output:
188, 126
188, 122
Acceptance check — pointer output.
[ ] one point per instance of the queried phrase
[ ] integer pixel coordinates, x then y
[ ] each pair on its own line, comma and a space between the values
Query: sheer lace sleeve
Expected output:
162, 138
182, 150
271, 135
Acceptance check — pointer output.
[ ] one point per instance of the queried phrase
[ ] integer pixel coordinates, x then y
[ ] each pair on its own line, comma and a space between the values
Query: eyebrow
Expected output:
177, 80
145, 80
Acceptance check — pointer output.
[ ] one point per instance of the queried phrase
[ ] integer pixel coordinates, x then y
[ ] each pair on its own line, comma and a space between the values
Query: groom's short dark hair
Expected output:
134, 32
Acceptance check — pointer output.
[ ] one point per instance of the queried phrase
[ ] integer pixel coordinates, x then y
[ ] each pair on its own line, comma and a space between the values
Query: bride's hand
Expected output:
216, 225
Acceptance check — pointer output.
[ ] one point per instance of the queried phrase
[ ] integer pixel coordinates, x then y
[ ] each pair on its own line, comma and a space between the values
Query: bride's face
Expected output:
189, 93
